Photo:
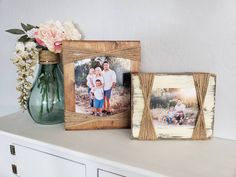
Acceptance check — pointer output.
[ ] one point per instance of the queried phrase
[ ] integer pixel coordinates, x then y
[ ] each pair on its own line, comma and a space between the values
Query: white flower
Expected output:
20, 46
71, 32
25, 58
30, 45
52, 24
58, 25
24, 54
31, 32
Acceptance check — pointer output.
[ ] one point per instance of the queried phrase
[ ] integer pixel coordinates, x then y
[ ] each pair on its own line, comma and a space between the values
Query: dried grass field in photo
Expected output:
120, 100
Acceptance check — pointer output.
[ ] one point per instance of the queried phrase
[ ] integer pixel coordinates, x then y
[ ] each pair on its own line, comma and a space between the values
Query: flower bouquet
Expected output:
41, 44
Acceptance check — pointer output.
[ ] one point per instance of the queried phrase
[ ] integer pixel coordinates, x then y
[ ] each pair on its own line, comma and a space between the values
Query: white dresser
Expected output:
28, 149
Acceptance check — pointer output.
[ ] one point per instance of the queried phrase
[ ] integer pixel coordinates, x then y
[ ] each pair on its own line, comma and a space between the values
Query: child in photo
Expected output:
180, 112
90, 85
170, 115
98, 94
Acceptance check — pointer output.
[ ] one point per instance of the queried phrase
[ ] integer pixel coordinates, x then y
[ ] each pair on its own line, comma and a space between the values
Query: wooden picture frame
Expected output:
173, 105
76, 51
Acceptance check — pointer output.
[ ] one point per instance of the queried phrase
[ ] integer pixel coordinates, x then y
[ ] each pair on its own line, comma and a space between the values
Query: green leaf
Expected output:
25, 27
29, 26
15, 31
42, 47
23, 38
31, 40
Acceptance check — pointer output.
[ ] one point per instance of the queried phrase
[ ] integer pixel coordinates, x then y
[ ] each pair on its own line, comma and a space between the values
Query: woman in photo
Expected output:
90, 85
98, 76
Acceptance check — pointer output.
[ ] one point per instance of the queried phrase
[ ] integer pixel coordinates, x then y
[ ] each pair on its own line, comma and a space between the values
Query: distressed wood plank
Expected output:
168, 80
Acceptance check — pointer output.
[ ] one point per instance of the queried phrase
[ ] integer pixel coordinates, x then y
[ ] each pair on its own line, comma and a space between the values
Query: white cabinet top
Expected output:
172, 158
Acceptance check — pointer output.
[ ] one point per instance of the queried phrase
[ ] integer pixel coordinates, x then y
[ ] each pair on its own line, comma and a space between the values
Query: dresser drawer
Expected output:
104, 173
33, 163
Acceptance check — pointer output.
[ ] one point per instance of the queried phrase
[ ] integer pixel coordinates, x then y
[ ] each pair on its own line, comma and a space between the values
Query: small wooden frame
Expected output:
173, 106
75, 52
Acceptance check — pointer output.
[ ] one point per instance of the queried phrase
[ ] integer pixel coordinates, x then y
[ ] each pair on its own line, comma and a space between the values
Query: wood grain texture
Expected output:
78, 50
172, 80
75, 121
69, 88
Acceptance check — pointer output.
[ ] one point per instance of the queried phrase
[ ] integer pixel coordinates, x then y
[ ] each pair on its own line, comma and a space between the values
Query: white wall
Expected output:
176, 36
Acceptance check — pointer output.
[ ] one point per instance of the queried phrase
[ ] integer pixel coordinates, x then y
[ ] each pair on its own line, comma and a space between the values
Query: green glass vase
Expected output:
46, 100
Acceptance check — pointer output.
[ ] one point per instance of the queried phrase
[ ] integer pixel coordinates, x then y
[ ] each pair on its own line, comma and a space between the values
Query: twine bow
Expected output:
147, 131
201, 84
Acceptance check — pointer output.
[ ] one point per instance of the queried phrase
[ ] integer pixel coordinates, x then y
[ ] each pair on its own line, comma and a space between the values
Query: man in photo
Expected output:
109, 77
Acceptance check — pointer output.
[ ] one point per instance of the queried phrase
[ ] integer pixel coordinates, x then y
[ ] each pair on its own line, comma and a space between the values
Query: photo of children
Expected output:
174, 106
102, 86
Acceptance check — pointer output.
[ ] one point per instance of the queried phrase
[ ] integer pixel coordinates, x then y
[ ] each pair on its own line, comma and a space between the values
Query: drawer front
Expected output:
34, 163
104, 173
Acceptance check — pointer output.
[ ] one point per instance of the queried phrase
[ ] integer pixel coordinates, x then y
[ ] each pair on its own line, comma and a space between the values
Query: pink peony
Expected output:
58, 45
38, 40
50, 35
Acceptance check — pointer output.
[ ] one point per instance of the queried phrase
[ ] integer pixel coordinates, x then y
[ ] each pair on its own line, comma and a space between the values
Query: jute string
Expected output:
201, 84
132, 53
47, 57
147, 131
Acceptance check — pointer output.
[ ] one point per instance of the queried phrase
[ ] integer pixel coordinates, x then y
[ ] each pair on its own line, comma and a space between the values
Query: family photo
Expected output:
174, 106
102, 86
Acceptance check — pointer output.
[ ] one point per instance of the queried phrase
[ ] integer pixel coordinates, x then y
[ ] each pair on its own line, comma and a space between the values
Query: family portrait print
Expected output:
102, 86
174, 106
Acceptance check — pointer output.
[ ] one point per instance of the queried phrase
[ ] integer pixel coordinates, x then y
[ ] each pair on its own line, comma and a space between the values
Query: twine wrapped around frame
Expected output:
147, 131
131, 53
201, 82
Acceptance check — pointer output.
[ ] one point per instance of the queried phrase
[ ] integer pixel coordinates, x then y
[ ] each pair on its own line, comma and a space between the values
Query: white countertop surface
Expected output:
173, 158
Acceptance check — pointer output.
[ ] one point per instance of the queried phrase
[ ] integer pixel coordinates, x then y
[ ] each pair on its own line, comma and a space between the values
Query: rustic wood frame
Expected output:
141, 88
78, 50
